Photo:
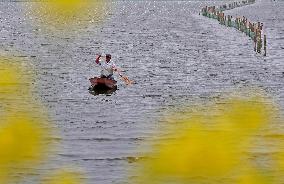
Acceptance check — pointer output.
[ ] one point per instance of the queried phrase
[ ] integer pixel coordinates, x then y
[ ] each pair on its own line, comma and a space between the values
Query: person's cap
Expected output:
108, 55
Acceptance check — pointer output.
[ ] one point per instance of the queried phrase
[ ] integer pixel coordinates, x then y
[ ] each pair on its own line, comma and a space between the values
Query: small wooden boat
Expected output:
102, 85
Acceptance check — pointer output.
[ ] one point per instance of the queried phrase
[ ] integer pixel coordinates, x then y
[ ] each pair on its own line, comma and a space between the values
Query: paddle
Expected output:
123, 77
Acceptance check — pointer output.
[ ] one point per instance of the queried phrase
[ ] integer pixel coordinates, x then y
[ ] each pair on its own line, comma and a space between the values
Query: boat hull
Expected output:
98, 83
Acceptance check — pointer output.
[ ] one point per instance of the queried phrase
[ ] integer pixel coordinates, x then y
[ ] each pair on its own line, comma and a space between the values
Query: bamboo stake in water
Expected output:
264, 42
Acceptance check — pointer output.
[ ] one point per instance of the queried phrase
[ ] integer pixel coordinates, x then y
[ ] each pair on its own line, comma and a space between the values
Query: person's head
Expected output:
108, 57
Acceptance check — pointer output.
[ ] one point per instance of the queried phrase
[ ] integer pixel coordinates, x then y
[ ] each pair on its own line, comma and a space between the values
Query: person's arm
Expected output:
114, 67
98, 59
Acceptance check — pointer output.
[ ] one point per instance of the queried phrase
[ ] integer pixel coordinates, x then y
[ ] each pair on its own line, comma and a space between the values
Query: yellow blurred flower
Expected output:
254, 177
65, 177
207, 144
3, 175
247, 115
64, 14
21, 139
24, 130
14, 78
194, 153
23, 143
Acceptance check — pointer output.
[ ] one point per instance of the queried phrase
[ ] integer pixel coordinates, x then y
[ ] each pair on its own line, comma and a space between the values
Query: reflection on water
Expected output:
107, 92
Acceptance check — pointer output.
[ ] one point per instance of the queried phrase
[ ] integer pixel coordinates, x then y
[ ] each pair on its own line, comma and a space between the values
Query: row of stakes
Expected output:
253, 30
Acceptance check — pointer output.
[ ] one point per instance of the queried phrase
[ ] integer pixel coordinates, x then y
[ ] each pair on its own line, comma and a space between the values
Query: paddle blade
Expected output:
126, 80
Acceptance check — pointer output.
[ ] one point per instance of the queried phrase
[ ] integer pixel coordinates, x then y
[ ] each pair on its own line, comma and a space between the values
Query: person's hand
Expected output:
98, 56
116, 69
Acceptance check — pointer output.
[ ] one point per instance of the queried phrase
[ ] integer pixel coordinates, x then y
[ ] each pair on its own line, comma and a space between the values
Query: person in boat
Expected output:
107, 66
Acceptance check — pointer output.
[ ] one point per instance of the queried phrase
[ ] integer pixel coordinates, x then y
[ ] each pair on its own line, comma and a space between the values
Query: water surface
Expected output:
175, 56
